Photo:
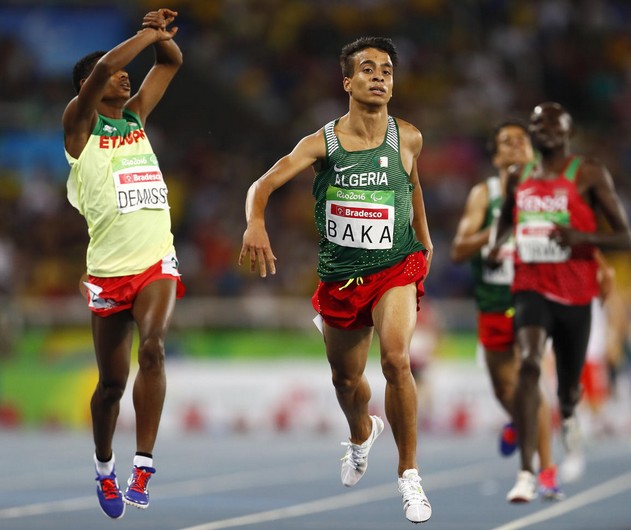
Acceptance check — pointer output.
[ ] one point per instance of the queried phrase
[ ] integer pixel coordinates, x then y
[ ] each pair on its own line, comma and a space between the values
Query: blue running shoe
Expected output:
109, 495
508, 440
136, 493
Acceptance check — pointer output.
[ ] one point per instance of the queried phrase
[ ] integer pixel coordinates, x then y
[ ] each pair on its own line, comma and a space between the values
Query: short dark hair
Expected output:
380, 43
491, 143
83, 68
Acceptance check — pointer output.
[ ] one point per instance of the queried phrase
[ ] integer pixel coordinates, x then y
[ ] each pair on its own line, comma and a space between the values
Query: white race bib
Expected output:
360, 218
138, 183
535, 246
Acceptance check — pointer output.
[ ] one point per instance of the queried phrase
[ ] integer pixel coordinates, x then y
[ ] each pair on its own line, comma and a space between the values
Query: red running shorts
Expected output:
107, 296
495, 331
349, 304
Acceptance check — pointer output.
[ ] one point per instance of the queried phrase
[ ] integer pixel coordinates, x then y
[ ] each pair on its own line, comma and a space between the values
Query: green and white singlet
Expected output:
492, 286
117, 185
363, 208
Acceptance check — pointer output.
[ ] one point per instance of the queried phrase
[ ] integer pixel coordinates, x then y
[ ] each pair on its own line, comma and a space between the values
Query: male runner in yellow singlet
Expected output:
132, 279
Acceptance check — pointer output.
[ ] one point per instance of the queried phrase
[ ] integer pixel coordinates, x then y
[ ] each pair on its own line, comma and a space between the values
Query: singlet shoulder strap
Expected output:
527, 170
332, 143
495, 188
392, 134
572, 168
128, 114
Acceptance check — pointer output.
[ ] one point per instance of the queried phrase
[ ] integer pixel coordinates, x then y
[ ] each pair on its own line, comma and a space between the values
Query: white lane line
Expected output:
45, 508
444, 479
322, 505
610, 488
237, 481
221, 483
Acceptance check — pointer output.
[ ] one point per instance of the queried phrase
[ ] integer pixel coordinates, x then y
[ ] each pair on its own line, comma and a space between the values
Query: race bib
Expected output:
360, 218
505, 272
138, 183
535, 246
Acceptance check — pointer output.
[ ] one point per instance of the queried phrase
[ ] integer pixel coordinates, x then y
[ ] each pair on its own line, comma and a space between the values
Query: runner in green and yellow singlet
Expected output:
132, 279
375, 252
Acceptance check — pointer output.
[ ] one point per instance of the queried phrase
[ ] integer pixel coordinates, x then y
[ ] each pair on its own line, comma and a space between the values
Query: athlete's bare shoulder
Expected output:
405, 127
410, 135
479, 194
77, 124
314, 143
590, 163
308, 151
593, 173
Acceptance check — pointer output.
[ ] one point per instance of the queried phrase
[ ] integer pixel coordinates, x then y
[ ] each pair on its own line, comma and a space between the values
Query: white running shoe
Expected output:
415, 504
525, 488
355, 461
573, 465
571, 434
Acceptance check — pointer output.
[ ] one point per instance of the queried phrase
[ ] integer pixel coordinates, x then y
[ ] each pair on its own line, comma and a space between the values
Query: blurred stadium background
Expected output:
258, 75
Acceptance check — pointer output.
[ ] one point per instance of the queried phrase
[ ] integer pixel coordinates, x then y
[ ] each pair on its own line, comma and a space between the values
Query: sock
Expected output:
143, 460
104, 468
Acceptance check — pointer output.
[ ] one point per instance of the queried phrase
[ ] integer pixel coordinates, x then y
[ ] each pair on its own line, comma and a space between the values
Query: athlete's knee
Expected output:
395, 366
111, 390
530, 370
345, 385
151, 353
345, 382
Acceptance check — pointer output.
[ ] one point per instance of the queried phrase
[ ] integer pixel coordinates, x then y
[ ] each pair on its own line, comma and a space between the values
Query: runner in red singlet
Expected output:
509, 144
551, 209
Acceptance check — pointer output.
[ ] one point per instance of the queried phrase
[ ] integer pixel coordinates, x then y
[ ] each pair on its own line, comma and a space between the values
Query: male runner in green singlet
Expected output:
375, 252
132, 278
551, 210
509, 144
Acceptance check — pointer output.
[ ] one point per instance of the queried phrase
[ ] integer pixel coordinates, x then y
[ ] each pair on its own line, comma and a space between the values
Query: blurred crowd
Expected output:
261, 74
